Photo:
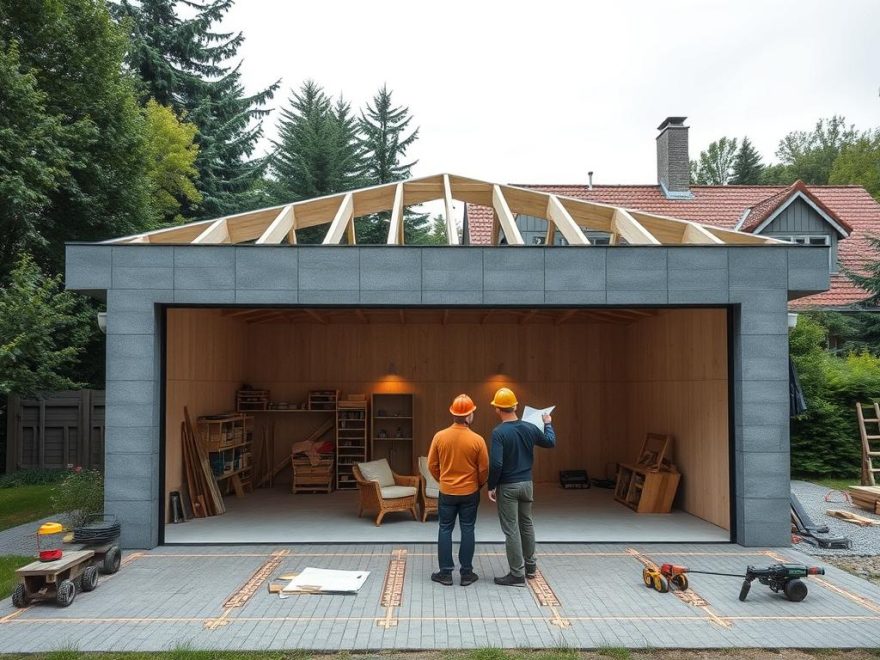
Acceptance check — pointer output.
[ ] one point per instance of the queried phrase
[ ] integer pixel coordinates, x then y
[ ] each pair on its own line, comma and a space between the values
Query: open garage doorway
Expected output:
615, 375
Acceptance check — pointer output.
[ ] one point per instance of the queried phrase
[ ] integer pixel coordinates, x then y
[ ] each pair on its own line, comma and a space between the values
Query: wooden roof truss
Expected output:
567, 215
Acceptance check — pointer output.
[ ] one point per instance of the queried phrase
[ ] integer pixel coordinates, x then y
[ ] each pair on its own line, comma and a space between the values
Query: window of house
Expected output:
814, 239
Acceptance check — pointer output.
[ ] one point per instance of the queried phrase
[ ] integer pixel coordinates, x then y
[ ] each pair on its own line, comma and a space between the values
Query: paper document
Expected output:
534, 415
321, 580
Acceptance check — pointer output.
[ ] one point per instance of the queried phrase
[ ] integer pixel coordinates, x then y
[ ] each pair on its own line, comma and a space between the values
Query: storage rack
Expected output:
391, 435
351, 440
227, 440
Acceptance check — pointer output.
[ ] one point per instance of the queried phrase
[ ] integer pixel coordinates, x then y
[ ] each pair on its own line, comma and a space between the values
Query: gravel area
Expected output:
865, 540
22, 540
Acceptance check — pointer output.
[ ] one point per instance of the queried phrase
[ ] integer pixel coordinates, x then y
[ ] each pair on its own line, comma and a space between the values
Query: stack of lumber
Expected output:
305, 446
204, 493
866, 497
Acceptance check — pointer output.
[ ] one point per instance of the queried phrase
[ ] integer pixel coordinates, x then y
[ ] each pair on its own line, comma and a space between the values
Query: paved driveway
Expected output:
590, 596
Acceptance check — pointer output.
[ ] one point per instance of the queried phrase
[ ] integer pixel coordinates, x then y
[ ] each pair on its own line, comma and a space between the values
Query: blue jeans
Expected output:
465, 508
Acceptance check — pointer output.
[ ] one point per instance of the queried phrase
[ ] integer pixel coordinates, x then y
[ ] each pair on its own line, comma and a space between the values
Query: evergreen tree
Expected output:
747, 167
869, 277
385, 143
72, 52
715, 165
184, 64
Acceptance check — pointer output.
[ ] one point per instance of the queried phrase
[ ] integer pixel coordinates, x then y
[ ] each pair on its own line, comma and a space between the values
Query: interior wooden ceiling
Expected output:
344, 316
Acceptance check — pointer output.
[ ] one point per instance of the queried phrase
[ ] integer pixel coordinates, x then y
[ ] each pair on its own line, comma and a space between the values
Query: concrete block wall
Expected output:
754, 281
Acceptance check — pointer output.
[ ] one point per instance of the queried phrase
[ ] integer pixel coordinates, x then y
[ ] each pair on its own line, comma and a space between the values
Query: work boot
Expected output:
531, 570
469, 578
510, 580
442, 577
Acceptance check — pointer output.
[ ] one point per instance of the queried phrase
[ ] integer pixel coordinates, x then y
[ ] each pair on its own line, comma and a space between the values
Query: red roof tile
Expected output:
723, 206
763, 210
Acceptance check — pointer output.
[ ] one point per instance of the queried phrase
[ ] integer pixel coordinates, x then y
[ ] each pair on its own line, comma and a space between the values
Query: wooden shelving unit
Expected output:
351, 441
227, 440
323, 399
649, 485
392, 431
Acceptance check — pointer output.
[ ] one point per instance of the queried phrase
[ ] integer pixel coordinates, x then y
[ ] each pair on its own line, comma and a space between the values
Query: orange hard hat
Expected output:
504, 398
462, 406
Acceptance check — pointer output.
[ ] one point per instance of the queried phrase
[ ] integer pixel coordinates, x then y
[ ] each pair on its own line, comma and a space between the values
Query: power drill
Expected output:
781, 577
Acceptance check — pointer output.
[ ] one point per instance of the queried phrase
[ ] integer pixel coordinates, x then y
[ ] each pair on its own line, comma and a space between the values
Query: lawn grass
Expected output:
8, 564
23, 504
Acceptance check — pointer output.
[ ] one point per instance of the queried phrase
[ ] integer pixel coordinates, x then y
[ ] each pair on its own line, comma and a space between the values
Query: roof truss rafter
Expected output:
569, 216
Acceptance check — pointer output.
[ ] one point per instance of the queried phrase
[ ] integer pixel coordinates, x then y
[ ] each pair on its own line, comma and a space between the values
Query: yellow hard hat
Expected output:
504, 398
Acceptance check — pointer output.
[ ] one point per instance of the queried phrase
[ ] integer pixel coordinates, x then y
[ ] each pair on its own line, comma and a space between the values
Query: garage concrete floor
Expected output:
586, 596
561, 516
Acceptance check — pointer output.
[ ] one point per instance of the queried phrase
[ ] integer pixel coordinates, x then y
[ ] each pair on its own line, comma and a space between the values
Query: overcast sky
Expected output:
543, 91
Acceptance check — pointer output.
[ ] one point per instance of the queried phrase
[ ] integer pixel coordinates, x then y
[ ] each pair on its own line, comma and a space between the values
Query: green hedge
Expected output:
825, 439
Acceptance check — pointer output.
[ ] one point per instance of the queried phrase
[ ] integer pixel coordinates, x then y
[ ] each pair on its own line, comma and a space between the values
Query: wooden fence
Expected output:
56, 430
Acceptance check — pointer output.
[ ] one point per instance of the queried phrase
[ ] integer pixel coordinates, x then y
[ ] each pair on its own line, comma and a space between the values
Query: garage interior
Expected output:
614, 374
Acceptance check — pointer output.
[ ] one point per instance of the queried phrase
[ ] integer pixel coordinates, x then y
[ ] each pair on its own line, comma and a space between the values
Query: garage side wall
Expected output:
755, 280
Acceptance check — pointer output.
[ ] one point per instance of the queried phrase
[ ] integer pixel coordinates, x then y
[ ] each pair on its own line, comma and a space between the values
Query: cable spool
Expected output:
99, 529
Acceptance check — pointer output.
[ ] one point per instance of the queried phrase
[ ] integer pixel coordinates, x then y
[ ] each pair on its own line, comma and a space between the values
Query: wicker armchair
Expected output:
383, 491
429, 489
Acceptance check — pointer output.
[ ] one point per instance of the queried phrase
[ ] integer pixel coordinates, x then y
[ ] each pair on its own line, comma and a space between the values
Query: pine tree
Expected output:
385, 143
747, 167
184, 64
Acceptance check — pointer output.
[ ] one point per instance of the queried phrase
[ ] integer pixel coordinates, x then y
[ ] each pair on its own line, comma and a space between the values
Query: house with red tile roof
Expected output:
841, 217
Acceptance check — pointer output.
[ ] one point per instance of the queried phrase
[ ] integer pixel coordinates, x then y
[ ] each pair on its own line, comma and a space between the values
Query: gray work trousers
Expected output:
515, 513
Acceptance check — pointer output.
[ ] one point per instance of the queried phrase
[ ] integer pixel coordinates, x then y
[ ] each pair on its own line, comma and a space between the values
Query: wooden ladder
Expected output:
869, 450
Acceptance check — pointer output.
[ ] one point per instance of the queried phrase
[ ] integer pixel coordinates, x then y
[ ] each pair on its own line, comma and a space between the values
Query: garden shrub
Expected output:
79, 495
35, 477
825, 439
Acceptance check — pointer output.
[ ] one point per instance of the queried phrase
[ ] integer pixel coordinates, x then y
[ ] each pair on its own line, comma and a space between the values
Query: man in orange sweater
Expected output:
459, 461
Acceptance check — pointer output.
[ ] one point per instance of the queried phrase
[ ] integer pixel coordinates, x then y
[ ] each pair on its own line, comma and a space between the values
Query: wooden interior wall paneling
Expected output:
205, 354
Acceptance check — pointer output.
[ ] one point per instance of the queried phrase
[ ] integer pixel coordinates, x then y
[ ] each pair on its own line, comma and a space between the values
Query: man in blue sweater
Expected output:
510, 484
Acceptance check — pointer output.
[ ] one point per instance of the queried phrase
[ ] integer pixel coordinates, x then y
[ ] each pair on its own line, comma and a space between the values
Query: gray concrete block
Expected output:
511, 298
766, 346
764, 323
329, 297
696, 279
772, 535
692, 257
637, 269
768, 510
327, 268
266, 268
758, 267
266, 297
205, 256
760, 300
575, 297
808, 269
513, 269
142, 256
391, 269
136, 519
765, 413
466, 297
142, 277
698, 297
391, 297
130, 414
129, 477
574, 269
204, 278
763, 368
205, 296
452, 269
766, 475
87, 267
765, 391
130, 323
768, 438
131, 439
130, 357
637, 297
143, 300
127, 391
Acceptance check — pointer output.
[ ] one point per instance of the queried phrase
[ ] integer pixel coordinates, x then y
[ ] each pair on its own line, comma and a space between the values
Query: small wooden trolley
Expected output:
57, 580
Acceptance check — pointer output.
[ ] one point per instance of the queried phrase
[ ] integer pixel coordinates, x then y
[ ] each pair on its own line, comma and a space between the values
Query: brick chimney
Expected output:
673, 163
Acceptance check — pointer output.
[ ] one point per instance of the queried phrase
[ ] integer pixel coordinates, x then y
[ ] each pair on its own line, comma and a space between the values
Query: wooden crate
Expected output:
312, 478
646, 490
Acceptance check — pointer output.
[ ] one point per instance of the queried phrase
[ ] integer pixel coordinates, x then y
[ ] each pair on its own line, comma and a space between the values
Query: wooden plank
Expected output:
505, 217
350, 233
451, 229
394, 229
283, 224
695, 233
561, 218
630, 228
217, 232
340, 221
